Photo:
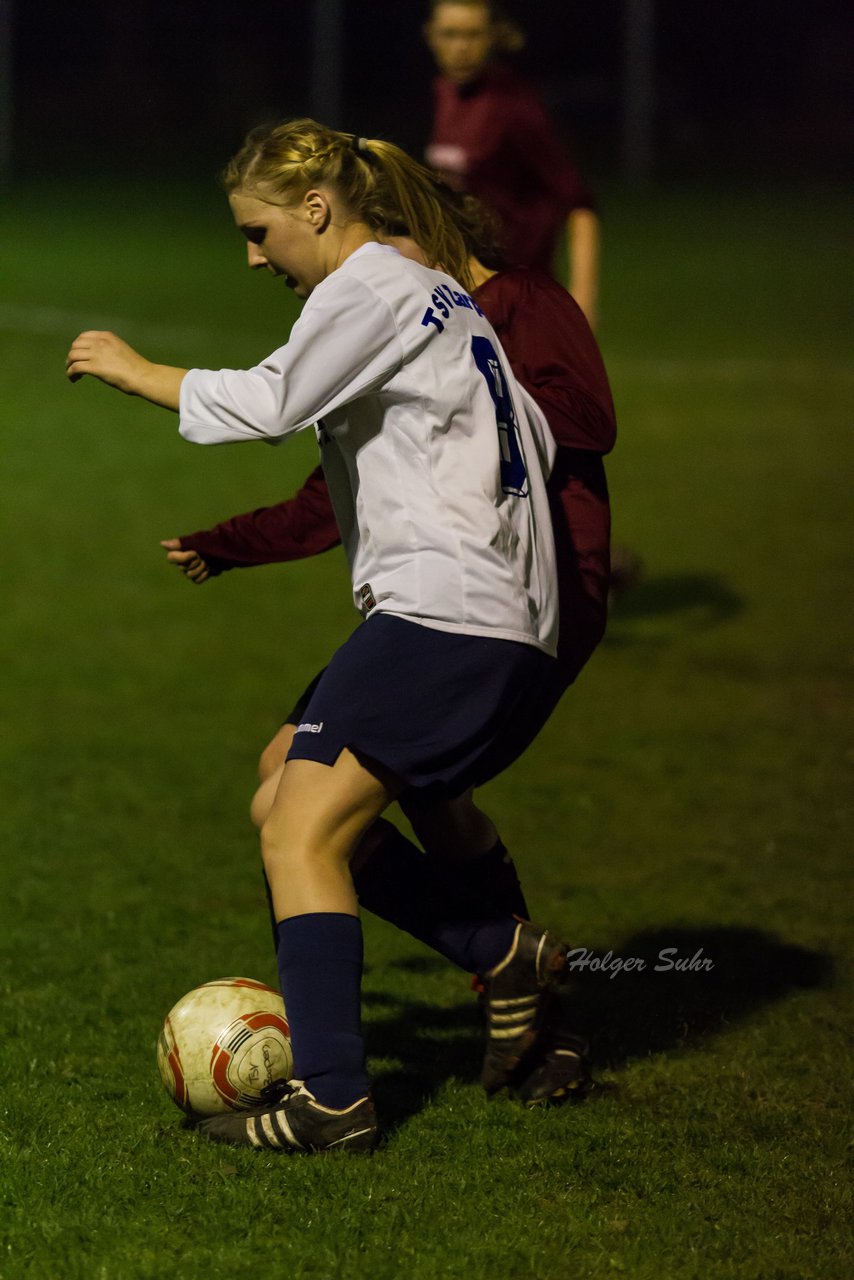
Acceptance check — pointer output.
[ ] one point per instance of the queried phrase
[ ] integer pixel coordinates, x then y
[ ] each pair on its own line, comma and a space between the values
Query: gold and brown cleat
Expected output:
517, 996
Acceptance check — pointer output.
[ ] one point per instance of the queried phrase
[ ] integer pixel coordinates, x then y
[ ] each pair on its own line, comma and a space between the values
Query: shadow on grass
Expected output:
694, 600
431, 1045
726, 975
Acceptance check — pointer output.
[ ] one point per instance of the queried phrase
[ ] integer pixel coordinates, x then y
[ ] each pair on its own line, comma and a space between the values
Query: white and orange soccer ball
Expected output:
221, 1044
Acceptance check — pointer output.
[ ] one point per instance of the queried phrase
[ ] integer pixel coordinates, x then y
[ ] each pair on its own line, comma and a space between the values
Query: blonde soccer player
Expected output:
436, 464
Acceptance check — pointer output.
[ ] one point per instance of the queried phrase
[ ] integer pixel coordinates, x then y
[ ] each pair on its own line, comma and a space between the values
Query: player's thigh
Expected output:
321, 811
262, 801
274, 754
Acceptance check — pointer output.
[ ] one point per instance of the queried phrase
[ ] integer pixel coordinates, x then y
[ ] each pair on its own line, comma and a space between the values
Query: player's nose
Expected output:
254, 256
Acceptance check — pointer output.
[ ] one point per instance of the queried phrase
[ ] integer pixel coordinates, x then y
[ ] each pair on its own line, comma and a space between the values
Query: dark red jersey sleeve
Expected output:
302, 526
554, 355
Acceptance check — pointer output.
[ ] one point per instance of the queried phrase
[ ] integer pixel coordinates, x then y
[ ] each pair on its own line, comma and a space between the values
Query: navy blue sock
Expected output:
320, 970
492, 875
401, 885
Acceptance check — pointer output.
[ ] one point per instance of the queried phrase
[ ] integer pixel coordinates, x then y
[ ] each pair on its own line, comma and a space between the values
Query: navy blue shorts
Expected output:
437, 709
297, 712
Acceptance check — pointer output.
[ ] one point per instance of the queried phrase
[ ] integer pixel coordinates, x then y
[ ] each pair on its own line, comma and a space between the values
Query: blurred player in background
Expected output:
493, 138
436, 462
554, 356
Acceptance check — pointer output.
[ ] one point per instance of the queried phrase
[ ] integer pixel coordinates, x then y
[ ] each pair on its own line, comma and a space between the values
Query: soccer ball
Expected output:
221, 1044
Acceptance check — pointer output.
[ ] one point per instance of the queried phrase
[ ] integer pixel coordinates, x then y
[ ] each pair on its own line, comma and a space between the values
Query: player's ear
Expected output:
316, 205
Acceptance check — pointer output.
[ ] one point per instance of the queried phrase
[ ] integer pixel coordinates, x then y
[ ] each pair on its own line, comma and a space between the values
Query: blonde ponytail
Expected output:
377, 182
409, 202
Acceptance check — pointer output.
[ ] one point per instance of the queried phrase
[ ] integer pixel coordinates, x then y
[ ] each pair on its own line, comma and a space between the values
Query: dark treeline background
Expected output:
755, 87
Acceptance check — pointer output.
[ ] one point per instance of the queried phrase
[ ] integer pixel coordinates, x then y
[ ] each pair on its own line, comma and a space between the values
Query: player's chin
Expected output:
464, 75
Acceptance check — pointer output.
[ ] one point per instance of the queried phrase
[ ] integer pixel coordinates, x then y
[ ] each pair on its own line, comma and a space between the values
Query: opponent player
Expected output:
493, 138
553, 353
435, 465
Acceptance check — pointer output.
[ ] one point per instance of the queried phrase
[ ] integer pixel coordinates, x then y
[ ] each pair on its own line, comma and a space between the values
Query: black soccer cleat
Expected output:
297, 1122
560, 1072
516, 998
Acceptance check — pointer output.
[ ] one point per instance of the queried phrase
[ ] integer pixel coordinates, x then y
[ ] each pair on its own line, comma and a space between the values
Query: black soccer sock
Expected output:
401, 885
268, 893
412, 894
493, 876
320, 971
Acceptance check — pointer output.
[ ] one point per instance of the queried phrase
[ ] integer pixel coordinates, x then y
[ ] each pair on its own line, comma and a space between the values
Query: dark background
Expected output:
747, 87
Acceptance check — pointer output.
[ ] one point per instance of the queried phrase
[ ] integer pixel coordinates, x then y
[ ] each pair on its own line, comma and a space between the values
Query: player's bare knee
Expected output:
274, 837
285, 842
262, 801
289, 855
278, 856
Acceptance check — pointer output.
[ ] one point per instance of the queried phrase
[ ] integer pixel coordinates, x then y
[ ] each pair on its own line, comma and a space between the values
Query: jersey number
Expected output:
514, 477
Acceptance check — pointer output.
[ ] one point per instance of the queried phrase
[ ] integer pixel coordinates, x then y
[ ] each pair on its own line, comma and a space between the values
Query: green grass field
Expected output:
689, 793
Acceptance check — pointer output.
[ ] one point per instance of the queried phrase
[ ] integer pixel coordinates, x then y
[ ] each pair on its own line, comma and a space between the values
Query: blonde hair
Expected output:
377, 182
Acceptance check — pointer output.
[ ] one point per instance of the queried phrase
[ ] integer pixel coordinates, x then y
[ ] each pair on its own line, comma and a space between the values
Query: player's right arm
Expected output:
303, 526
344, 344
189, 562
104, 356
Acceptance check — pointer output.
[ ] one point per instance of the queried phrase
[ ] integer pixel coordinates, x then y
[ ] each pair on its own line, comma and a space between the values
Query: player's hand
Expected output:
104, 356
190, 563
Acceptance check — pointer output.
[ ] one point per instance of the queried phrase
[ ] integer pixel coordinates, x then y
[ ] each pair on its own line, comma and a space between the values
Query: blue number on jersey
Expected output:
514, 477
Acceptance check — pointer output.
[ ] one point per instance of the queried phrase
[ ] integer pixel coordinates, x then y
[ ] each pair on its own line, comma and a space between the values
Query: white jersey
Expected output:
435, 458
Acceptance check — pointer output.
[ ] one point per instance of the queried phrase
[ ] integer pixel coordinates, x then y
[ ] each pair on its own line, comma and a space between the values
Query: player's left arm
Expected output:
548, 159
106, 357
582, 254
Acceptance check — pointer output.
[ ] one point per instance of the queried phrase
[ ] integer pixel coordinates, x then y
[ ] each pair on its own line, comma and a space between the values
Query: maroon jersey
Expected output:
302, 526
554, 355
493, 139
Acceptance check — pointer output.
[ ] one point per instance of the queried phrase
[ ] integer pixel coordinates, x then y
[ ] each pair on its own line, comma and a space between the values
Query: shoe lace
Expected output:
277, 1090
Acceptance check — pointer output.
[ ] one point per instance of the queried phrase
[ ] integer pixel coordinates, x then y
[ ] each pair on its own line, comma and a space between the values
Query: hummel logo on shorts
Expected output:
309, 728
